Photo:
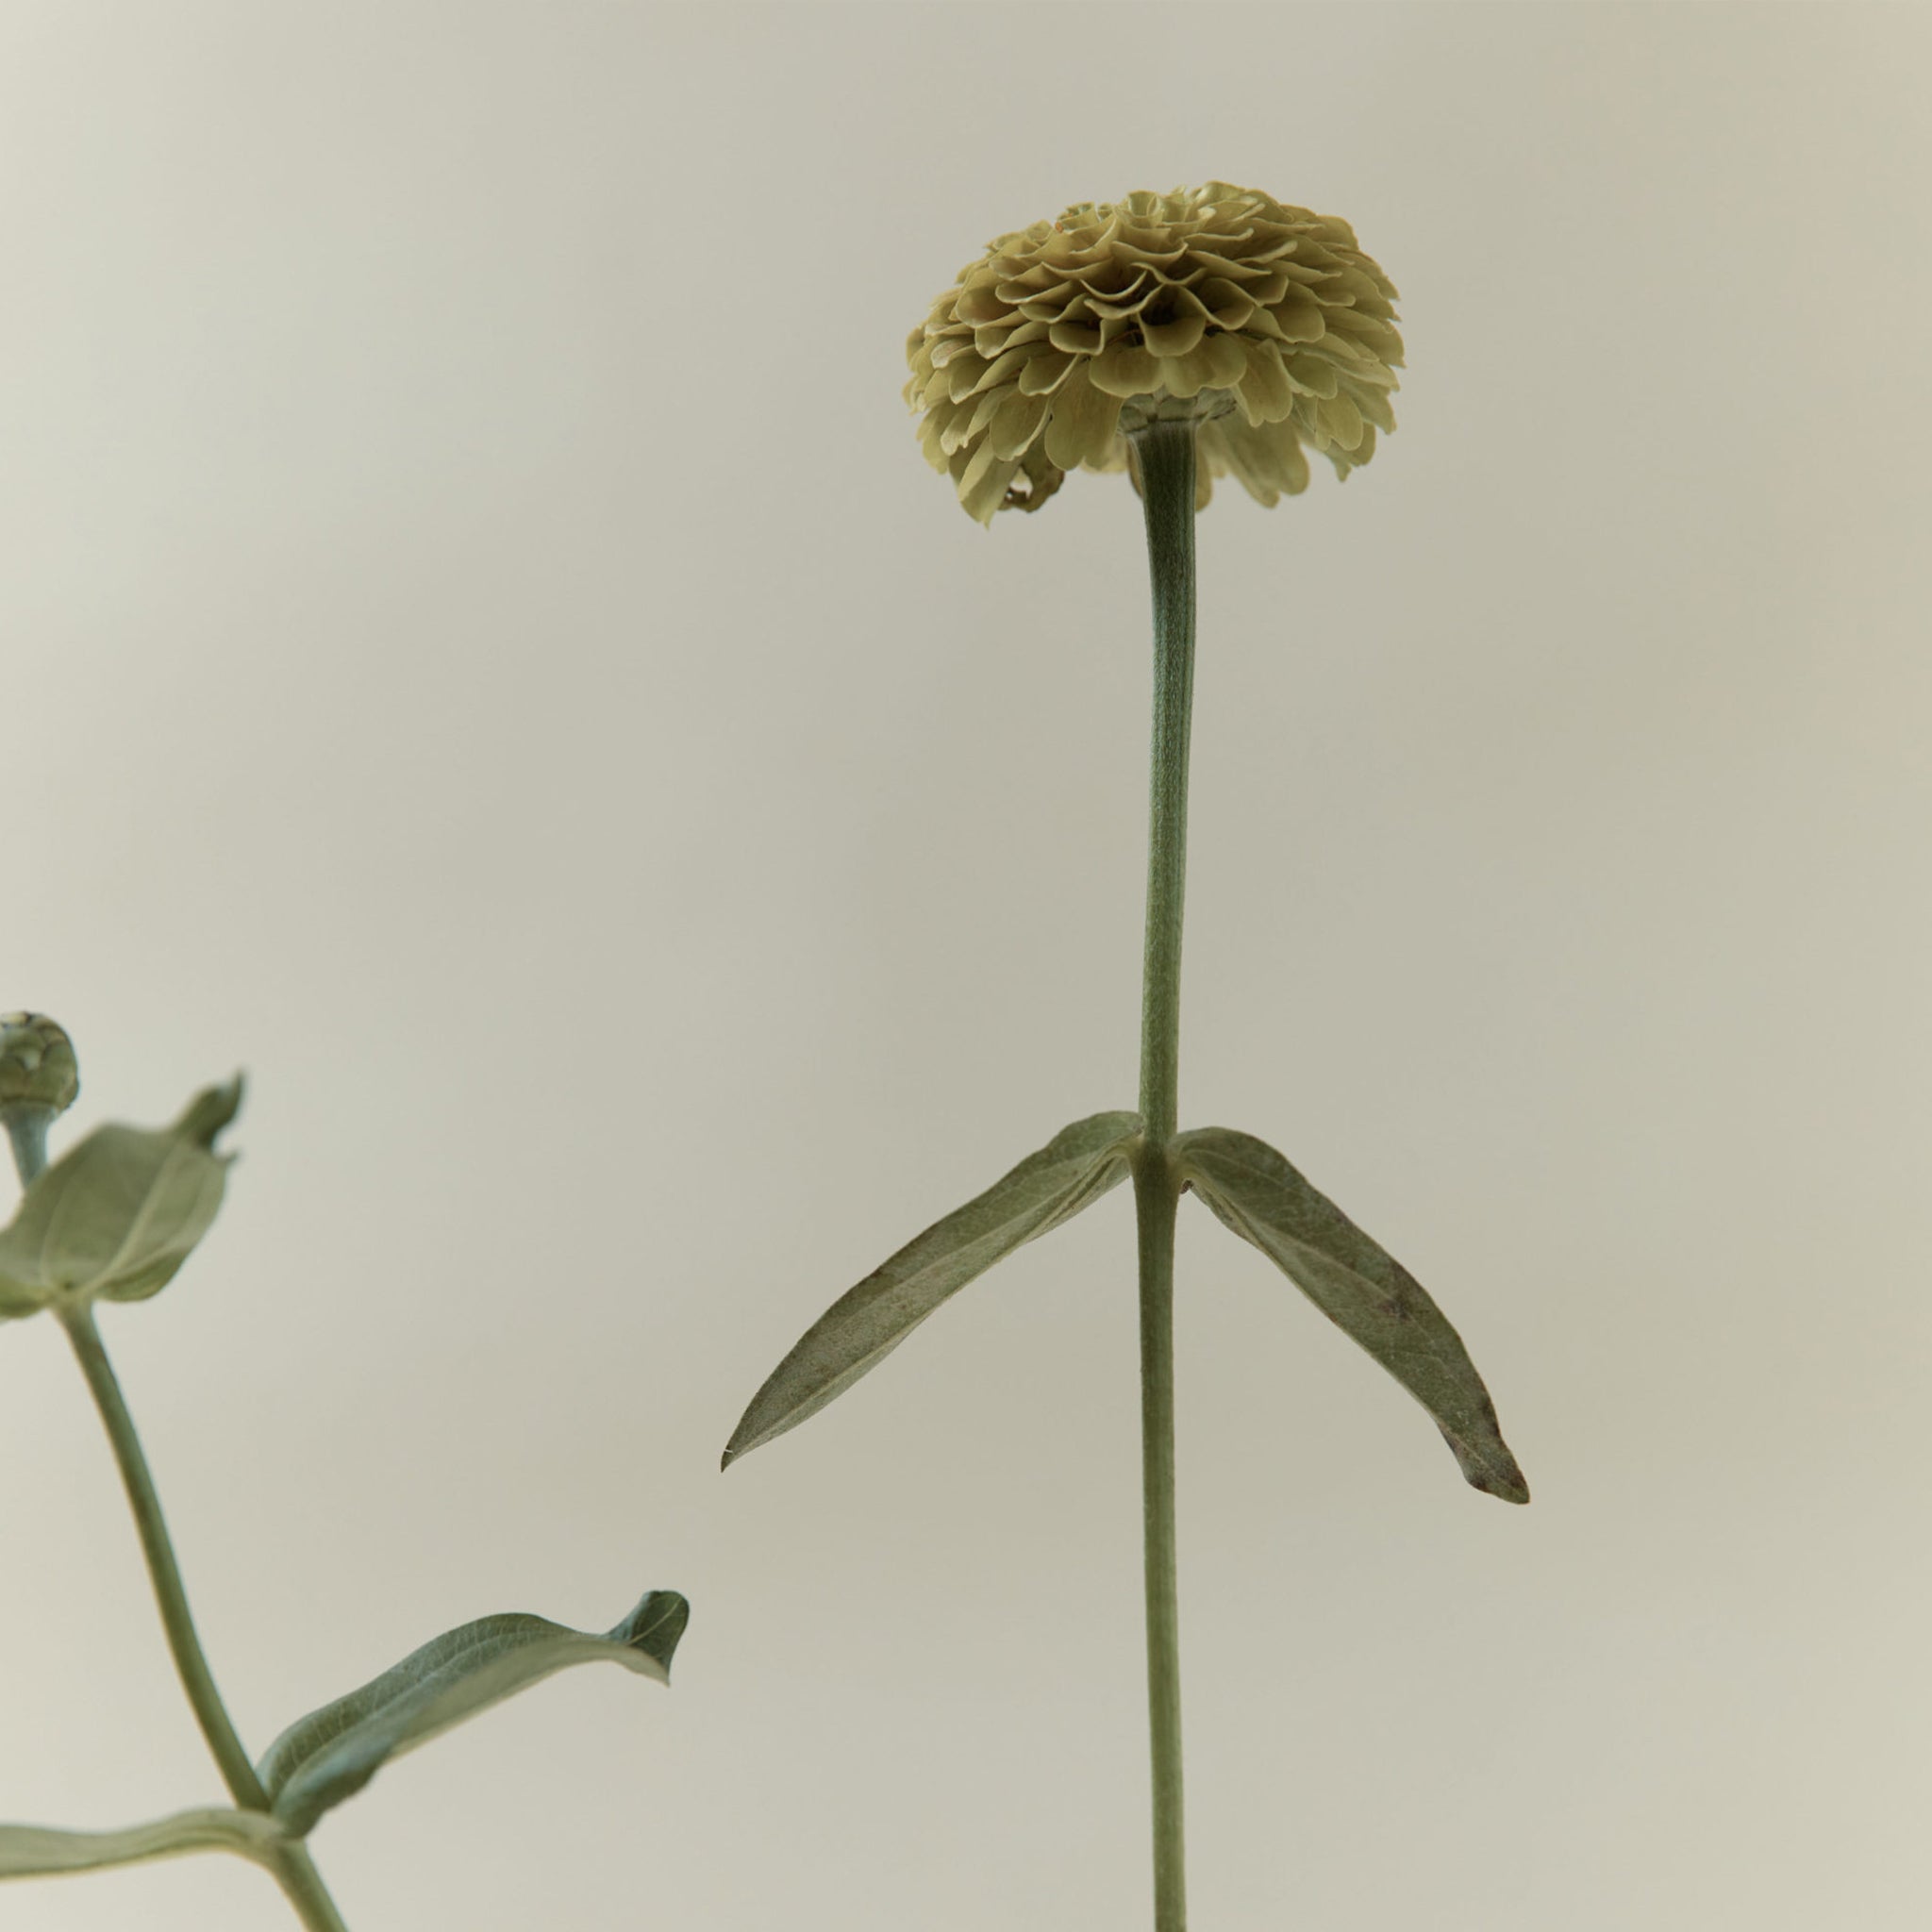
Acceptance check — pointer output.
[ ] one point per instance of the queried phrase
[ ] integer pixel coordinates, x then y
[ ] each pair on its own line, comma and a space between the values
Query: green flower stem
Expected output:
26, 1127
237, 1772
295, 1871
1166, 455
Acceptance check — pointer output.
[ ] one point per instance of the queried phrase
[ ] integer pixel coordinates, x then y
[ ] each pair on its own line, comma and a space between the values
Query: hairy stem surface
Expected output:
1167, 457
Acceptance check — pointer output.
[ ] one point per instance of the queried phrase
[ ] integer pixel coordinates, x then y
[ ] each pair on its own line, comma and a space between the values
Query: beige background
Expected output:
483, 651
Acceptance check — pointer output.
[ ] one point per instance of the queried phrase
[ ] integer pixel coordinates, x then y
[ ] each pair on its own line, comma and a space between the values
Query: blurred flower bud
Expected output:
37, 1064
39, 1078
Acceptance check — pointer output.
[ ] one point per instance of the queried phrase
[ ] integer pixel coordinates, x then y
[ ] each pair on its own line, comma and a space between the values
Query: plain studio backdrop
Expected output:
483, 652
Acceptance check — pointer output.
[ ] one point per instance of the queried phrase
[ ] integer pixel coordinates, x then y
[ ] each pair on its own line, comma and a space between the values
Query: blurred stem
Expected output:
1167, 457
293, 1869
26, 1127
302, 1884
238, 1773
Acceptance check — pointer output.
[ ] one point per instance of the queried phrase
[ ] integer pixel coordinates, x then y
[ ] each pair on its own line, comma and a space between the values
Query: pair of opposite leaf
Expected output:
1368, 1294
114, 1219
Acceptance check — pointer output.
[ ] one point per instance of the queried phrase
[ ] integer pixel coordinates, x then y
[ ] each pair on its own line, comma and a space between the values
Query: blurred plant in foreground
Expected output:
113, 1219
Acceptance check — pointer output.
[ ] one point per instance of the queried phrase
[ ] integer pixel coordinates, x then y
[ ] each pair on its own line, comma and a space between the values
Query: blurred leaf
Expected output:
332, 1752
1078, 1165
1363, 1289
36, 1850
117, 1214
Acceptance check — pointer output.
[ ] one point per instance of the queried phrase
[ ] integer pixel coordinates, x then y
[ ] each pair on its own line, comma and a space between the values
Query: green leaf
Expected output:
116, 1216
332, 1752
39, 1851
1362, 1288
1077, 1166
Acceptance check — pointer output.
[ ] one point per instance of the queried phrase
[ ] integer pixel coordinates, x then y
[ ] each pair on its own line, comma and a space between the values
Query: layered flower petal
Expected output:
1265, 324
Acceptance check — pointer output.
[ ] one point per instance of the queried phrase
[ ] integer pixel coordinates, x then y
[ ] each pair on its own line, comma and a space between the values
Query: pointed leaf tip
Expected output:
655, 1626
1362, 1289
209, 1111
864, 1327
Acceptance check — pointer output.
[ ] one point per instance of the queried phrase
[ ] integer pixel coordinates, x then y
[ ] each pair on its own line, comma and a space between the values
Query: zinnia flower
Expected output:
1266, 325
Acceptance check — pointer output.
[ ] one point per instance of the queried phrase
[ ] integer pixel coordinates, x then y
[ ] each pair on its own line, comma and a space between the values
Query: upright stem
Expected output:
293, 1869
26, 1127
295, 1872
1166, 454
1167, 481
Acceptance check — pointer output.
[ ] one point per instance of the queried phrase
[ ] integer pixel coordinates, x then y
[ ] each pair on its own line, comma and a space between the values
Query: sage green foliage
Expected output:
864, 1327
38, 1850
114, 1218
1362, 1288
332, 1752
1355, 1281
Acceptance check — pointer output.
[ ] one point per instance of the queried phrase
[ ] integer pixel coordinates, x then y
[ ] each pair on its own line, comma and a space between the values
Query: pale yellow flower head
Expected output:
1265, 324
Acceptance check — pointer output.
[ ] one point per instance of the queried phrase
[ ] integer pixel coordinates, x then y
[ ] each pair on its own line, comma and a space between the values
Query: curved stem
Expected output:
1166, 455
184, 1645
293, 1868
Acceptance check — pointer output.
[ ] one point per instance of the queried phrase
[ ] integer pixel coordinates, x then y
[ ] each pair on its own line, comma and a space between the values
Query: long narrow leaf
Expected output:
1359, 1287
40, 1851
332, 1752
1078, 1165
